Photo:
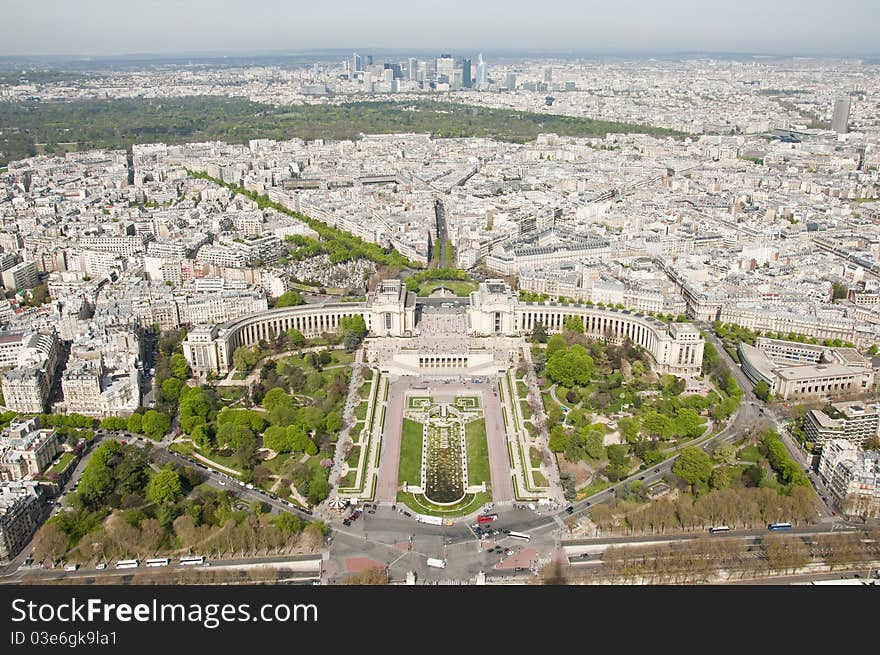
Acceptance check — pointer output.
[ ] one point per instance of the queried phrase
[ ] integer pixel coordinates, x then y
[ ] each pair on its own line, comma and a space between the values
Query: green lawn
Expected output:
182, 448
410, 453
63, 462
750, 454
353, 457
539, 478
477, 452
526, 410
458, 287
470, 503
361, 411
535, 457
521, 389
594, 487
348, 480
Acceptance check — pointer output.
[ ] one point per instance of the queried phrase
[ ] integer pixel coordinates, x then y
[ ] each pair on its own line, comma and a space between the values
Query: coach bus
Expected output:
158, 561
127, 564
192, 560
519, 535
719, 528
785, 525
486, 518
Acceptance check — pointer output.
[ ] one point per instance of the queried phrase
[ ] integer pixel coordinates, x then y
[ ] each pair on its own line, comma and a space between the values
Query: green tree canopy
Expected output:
179, 367
570, 367
164, 487
693, 466
155, 424
290, 299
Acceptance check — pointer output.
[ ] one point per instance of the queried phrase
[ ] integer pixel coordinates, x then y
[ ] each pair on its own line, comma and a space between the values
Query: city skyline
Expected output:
98, 28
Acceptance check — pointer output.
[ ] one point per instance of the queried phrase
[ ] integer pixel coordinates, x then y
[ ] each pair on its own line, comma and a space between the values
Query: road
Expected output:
442, 235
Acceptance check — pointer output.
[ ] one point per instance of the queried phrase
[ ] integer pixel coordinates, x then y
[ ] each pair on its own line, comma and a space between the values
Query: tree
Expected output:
762, 390
689, 424
554, 344
629, 428
50, 543
244, 358
539, 333
290, 299
693, 466
164, 487
354, 325
297, 340
719, 479
275, 438
319, 489
593, 441
171, 388
570, 367
287, 522
573, 324
725, 453
155, 424
657, 425
558, 438
333, 422
134, 423
179, 367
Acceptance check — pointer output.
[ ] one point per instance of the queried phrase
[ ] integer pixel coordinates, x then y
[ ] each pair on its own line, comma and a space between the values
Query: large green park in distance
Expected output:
121, 123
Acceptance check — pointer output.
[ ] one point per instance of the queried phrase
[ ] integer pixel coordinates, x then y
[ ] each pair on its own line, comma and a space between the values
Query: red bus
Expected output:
486, 518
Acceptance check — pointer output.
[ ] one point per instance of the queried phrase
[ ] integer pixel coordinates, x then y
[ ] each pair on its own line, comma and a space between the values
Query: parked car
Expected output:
569, 509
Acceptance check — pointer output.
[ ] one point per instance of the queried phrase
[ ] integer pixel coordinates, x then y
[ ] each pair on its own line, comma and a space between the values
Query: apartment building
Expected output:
26, 450
852, 476
21, 508
854, 421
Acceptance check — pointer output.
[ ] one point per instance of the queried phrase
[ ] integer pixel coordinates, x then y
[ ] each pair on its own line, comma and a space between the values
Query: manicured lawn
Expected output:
348, 480
364, 390
470, 503
361, 412
477, 452
539, 478
353, 457
521, 389
341, 357
526, 410
410, 453
63, 462
458, 287
535, 457
184, 448
594, 487
750, 454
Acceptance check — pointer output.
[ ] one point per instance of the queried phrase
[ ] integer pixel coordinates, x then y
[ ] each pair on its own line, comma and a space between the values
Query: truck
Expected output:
430, 520
437, 563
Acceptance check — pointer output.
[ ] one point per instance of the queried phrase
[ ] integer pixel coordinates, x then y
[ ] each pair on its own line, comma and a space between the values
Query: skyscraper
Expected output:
511, 81
411, 69
482, 73
357, 64
445, 66
466, 79
548, 74
840, 119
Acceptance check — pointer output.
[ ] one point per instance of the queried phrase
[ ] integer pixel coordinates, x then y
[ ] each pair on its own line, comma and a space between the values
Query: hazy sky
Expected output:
108, 27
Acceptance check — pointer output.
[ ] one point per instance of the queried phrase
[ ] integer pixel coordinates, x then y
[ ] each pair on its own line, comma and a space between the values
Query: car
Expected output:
222, 484
505, 531
587, 504
656, 470
346, 521
569, 509
641, 477
405, 513
101, 566
371, 511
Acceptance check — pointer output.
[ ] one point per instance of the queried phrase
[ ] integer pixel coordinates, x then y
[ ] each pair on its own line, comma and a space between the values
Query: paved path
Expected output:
389, 458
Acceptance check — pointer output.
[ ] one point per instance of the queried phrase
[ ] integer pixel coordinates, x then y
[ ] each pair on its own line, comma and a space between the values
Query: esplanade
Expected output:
493, 310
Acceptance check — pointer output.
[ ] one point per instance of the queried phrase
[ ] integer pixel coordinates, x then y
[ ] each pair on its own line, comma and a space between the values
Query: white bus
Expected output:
192, 560
158, 561
719, 528
127, 564
519, 535
437, 563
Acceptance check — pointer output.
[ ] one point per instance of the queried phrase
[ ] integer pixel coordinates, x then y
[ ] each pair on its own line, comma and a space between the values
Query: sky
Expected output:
167, 27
